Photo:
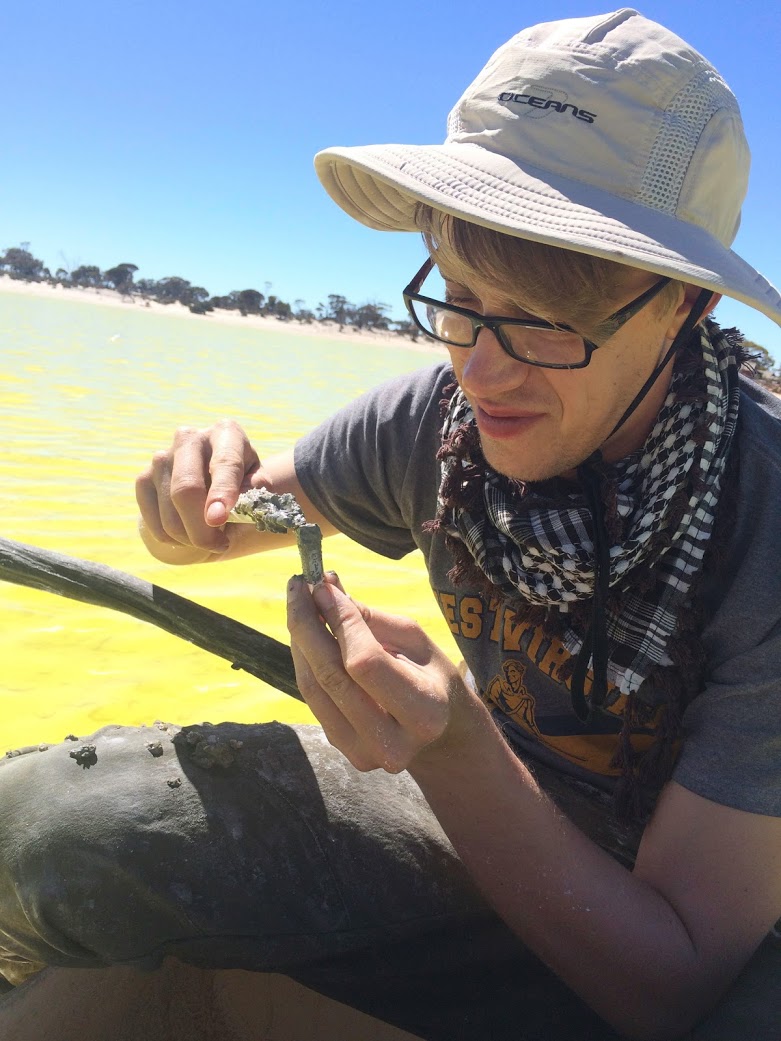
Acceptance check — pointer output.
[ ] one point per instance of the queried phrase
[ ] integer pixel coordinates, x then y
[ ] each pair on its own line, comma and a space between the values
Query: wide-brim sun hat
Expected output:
606, 135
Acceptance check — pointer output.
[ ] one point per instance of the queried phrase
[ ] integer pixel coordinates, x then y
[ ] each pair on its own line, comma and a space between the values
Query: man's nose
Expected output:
489, 370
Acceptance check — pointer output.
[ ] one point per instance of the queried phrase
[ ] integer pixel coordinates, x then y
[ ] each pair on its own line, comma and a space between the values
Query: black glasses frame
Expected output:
614, 321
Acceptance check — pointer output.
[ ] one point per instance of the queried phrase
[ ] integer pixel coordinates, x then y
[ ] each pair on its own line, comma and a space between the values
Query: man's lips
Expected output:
500, 423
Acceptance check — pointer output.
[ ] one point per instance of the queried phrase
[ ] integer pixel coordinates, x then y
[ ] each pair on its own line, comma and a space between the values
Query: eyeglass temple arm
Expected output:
420, 278
631, 309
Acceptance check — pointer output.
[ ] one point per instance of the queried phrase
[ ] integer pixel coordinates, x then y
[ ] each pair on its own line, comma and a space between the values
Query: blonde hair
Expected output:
552, 283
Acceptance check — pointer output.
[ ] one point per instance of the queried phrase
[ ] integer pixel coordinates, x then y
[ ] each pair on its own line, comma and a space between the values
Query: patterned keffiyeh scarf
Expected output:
540, 548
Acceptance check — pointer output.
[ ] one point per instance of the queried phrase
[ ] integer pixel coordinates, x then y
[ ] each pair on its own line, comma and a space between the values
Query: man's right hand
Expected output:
188, 490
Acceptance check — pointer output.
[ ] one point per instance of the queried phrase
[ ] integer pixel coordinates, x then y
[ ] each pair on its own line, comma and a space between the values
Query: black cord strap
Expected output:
595, 647
595, 643
683, 335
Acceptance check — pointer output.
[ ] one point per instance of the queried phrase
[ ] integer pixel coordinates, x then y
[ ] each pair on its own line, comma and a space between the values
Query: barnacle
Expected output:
280, 513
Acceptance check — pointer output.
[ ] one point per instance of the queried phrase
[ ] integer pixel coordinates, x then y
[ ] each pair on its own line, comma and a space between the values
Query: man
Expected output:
595, 498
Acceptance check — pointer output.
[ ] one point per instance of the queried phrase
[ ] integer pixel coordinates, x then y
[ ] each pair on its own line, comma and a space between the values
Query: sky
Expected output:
180, 136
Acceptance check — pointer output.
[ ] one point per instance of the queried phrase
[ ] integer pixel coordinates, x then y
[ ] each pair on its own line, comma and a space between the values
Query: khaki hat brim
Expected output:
379, 185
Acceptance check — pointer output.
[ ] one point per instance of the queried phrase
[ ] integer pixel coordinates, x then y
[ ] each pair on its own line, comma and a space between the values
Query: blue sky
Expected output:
180, 137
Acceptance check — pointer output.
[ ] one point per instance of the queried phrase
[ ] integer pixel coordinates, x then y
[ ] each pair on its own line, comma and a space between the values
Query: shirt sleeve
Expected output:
371, 467
732, 748
732, 731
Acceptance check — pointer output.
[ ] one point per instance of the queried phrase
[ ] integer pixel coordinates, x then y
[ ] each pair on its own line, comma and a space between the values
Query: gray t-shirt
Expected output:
383, 489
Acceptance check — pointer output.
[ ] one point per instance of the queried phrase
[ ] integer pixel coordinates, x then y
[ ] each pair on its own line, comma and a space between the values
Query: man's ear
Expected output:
679, 316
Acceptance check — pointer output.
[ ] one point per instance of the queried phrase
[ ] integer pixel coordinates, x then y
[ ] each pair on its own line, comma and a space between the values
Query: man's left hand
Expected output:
381, 689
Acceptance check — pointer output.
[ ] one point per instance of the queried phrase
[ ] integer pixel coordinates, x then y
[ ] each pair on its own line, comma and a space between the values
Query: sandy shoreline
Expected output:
111, 298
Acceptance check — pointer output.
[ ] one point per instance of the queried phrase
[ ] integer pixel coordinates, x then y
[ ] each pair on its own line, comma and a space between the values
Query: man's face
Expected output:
539, 423
513, 675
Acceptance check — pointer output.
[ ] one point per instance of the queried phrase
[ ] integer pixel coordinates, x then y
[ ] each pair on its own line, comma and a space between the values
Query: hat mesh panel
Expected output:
683, 124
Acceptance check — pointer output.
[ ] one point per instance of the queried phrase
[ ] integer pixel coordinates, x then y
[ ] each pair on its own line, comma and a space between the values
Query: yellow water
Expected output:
87, 394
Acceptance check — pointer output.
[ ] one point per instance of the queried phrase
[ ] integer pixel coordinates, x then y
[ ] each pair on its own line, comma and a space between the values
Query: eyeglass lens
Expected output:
540, 346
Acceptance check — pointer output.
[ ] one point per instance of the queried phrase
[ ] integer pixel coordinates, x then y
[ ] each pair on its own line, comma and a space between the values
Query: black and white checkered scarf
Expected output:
527, 544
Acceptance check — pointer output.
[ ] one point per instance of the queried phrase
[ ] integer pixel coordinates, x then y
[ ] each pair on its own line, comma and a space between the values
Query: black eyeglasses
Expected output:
528, 340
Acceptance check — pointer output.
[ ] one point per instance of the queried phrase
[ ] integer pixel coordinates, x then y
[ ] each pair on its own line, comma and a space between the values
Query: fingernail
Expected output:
216, 514
333, 580
323, 595
294, 585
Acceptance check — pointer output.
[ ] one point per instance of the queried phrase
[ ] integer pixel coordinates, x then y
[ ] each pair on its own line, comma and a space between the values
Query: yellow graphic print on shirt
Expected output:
563, 734
507, 692
515, 690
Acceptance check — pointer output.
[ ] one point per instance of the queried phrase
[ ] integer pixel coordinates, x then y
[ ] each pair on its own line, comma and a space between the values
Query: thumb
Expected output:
230, 463
396, 634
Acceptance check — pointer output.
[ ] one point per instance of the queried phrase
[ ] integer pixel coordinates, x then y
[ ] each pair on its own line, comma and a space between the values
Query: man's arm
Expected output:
186, 493
651, 950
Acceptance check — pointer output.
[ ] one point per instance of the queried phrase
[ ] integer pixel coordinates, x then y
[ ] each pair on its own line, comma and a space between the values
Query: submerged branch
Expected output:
261, 656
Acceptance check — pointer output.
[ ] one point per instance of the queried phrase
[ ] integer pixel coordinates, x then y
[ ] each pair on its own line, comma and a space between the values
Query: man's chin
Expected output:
520, 466
527, 466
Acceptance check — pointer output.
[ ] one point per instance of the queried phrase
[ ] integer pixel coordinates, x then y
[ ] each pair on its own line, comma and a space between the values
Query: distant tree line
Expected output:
765, 368
18, 262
